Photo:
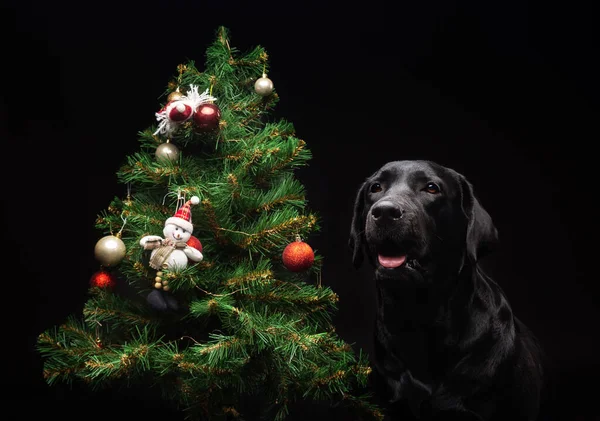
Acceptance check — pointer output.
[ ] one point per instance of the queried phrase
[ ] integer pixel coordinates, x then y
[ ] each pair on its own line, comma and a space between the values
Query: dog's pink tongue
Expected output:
391, 261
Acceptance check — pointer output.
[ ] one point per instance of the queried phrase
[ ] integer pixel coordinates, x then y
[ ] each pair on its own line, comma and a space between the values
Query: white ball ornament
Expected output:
109, 250
167, 152
263, 86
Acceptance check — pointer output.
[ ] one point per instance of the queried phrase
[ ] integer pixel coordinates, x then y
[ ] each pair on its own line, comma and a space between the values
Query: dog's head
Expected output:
417, 215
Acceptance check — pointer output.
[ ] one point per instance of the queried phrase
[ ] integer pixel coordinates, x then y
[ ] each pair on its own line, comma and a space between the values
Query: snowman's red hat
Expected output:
183, 216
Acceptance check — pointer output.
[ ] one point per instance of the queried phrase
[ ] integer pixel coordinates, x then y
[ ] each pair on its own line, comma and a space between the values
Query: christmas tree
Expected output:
207, 286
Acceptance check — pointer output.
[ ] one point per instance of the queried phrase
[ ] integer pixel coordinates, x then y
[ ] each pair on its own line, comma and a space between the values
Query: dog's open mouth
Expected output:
390, 255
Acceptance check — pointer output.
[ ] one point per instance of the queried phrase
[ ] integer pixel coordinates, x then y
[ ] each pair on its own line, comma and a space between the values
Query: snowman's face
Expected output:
174, 232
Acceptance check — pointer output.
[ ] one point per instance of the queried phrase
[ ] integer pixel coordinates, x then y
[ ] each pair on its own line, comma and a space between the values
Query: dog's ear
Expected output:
357, 228
482, 235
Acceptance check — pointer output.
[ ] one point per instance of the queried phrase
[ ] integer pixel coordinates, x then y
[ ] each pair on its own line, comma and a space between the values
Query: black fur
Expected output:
447, 345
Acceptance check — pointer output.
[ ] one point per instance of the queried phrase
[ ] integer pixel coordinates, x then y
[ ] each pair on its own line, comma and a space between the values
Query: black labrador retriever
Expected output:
447, 344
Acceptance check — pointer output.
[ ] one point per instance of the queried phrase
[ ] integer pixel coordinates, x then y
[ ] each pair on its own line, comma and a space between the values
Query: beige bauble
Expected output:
167, 152
109, 250
263, 86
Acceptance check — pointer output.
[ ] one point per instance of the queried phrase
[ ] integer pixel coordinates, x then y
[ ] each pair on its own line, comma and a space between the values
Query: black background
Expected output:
504, 92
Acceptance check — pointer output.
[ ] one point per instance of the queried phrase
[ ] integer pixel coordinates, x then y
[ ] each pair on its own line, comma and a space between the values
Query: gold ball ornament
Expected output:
263, 86
175, 95
167, 152
109, 250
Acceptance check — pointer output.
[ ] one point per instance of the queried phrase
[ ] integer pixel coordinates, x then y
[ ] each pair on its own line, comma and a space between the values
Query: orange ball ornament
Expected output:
298, 256
103, 279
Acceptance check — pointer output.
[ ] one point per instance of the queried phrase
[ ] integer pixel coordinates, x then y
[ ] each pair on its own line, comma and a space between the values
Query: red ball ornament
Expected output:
179, 112
298, 256
103, 279
194, 242
207, 117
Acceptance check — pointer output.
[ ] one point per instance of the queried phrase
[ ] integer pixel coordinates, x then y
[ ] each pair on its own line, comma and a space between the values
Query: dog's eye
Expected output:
432, 188
376, 188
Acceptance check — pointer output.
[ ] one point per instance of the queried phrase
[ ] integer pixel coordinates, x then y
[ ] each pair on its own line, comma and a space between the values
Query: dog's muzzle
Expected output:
392, 233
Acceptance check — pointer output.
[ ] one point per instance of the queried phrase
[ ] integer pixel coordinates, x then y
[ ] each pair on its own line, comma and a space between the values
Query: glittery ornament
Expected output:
109, 250
194, 242
175, 95
298, 256
103, 279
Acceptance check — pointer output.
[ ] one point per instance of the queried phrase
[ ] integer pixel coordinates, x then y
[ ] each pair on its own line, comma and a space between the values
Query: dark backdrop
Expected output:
506, 93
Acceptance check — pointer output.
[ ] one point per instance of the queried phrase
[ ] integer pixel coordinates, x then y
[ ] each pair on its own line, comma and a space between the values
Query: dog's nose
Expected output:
386, 211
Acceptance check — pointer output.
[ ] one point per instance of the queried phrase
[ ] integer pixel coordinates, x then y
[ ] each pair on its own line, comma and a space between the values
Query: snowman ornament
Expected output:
171, 252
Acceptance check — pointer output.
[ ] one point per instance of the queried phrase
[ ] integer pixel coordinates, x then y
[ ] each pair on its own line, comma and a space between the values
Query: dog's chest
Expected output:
404, 346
